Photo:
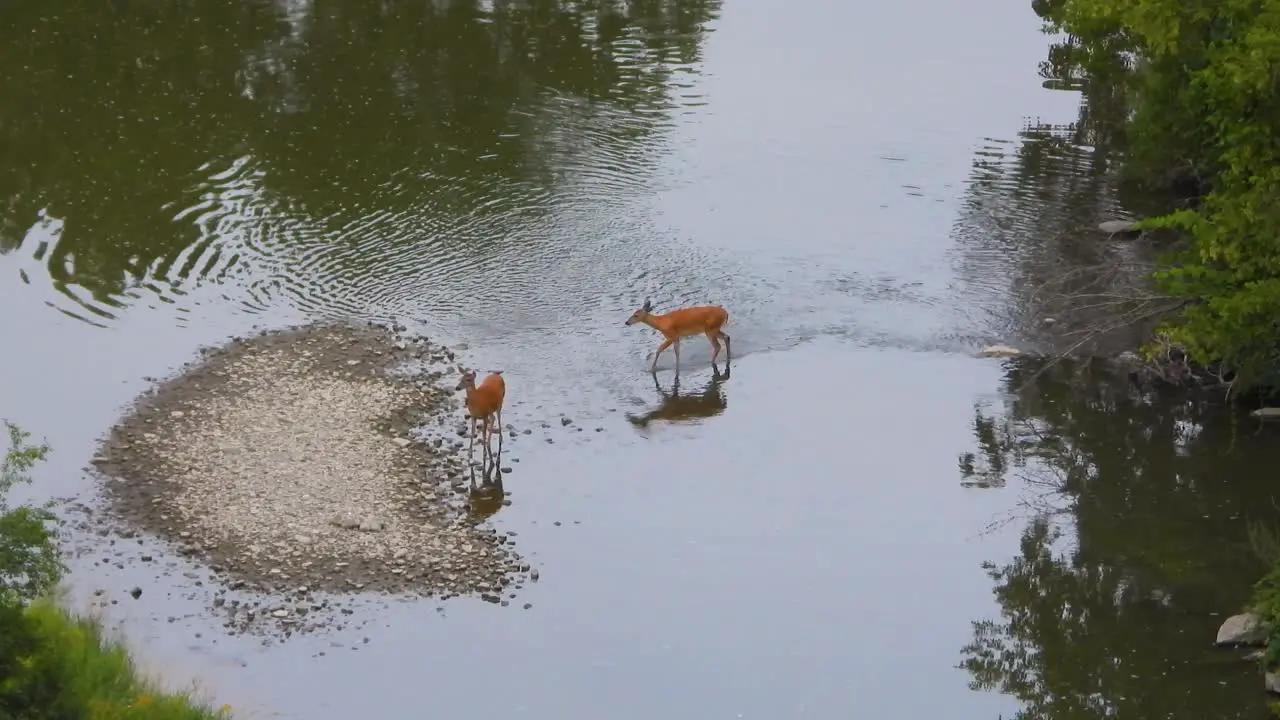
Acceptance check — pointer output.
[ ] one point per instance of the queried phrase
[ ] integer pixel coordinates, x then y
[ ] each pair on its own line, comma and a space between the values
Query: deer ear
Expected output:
647, 305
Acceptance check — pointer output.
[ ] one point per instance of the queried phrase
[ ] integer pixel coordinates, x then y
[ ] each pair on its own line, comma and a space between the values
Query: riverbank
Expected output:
305, 464
1201, 87
65, 665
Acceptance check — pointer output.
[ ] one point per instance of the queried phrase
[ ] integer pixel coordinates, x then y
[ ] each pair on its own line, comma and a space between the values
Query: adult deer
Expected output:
685, 322
484, 404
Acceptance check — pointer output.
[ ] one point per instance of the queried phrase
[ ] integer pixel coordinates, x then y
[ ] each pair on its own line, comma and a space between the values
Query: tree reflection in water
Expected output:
1137, 538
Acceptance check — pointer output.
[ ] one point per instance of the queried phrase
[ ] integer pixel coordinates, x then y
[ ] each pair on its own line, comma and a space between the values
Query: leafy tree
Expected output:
30, 565
1206, 116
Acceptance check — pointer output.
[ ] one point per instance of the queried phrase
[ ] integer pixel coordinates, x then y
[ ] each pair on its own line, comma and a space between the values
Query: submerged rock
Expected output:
1242, 629
1119, 227
999, 351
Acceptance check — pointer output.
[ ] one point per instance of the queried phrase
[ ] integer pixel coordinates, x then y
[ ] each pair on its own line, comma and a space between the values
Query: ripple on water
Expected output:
548, 262
1029, 212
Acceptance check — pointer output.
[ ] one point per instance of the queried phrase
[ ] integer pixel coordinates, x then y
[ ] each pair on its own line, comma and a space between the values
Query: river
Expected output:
862, 520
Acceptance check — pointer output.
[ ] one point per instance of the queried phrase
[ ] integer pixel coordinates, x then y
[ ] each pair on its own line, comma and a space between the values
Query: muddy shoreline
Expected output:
307, 465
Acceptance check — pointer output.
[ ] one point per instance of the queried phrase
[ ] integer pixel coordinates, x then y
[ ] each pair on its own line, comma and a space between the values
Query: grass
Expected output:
90, 675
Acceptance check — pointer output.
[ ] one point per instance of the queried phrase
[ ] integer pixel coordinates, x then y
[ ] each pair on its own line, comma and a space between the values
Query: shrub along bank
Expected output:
1205, 95
1203, 85
54, 665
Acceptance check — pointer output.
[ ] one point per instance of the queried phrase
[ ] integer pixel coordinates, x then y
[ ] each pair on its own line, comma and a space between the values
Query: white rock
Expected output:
402, 442
1273, 683
1242, 629
1266, 412
996, 351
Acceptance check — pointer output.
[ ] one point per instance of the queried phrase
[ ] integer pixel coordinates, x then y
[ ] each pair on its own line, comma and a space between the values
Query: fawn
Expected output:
484, 403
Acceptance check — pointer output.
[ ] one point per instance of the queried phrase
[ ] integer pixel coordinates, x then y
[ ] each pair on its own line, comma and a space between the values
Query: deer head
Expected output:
467, 380
641, 314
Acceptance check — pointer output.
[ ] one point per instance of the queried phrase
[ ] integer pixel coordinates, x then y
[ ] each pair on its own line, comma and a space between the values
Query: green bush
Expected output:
67, 669
29, 562
1206, 105
1266, 605
54, 665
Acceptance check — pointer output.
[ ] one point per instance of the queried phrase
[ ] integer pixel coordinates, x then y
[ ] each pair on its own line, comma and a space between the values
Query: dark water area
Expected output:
861, 519
1134, 528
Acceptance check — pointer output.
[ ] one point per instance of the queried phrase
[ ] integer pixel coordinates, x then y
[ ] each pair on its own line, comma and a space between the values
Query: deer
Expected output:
685, 322
484, 404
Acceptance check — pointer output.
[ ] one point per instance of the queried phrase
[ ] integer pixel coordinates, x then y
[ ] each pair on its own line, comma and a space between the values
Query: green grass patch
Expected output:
58, 666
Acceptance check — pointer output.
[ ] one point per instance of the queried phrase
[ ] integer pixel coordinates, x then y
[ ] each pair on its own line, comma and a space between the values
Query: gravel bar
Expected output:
300, 462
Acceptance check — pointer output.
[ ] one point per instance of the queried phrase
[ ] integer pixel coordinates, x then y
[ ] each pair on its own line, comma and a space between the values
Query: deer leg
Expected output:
715, 345
488, 442
471, 444
728, 352
666, 344
500, 434
677, 349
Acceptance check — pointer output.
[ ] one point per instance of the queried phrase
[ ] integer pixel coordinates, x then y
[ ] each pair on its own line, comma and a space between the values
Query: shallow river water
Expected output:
868, 188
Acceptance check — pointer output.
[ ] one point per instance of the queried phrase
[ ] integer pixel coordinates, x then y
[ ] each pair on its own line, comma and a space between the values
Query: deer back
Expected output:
692, 320
487, 398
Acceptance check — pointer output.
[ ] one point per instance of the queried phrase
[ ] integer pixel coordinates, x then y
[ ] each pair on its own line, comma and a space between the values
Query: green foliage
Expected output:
1266, 604
29, 562
1206, 107
53, 665
1266, 595
64, 667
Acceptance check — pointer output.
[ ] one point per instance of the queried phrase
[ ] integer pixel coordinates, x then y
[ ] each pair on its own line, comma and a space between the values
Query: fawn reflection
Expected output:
486, 496
693, 404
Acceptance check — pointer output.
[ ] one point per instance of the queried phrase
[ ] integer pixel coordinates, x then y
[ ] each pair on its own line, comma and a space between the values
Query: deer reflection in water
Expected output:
675, 407
486, 497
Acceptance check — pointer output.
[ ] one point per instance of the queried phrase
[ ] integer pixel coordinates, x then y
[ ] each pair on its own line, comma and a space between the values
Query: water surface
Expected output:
873, 191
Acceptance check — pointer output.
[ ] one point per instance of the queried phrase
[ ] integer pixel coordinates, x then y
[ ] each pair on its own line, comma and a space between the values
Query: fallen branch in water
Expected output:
1090, 301
1146, 310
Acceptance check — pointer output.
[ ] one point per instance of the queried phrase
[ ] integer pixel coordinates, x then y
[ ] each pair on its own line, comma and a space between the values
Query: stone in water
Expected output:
1113, 227
995, 351
1243, 629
